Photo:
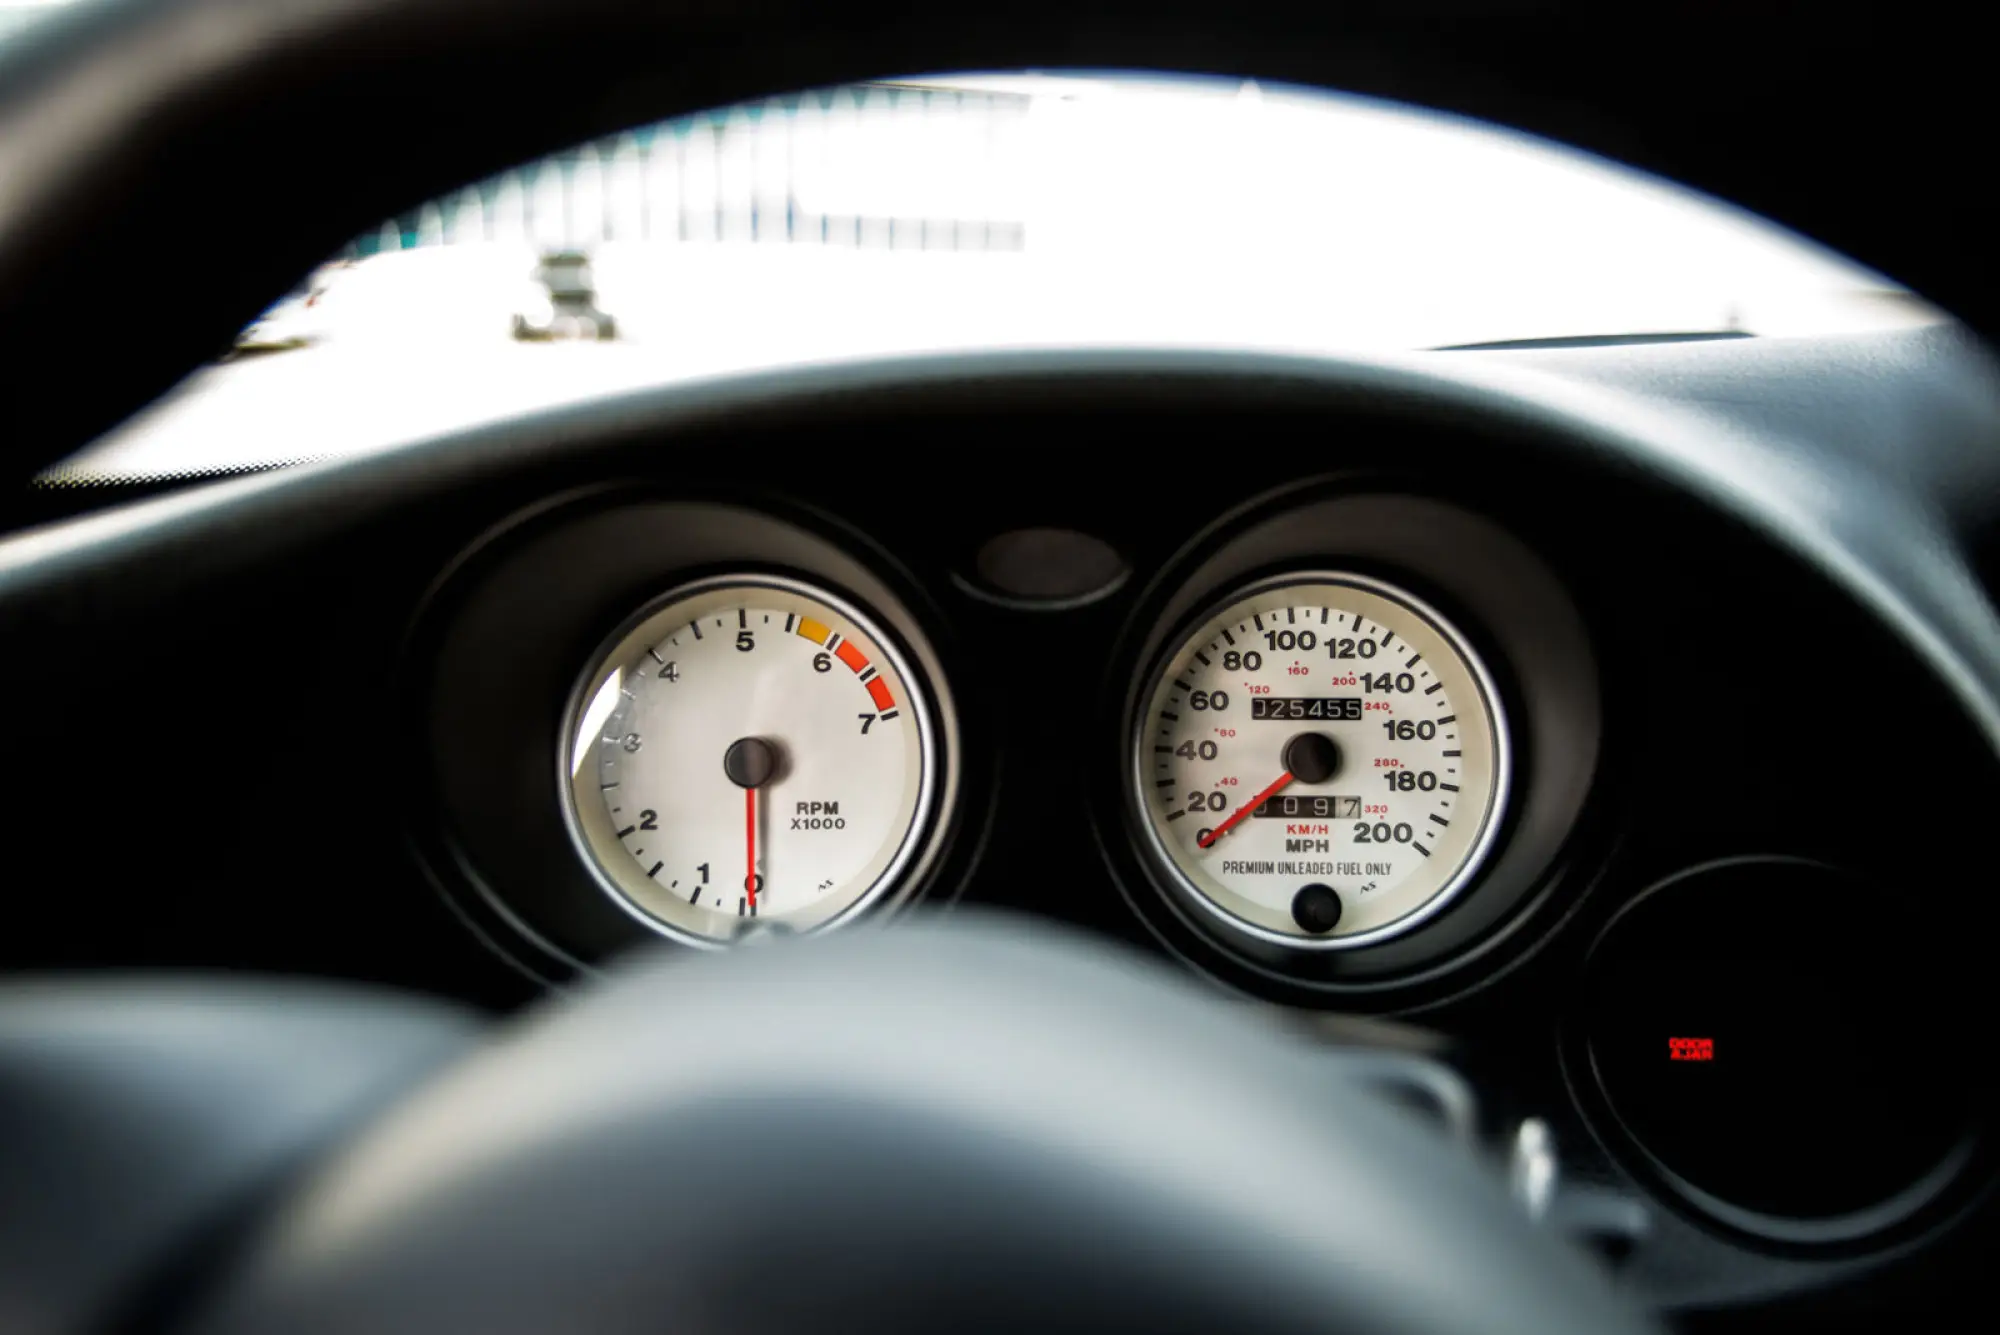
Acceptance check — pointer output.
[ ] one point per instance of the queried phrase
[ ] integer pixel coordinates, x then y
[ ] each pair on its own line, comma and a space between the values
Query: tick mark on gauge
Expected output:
1434, 687
1164, 783
1448, 718
1171, 718
1421, 849
742, 618
1390, 639
1322, 616
1176, 814
1414, 658
1227, 636
886, 717
1202, 658
656, 656
1449, 787
1258, 617
1164, 750
1439, 819
627, 830
695, 626
607, 785
1178, 685
1451, 753
790, 619
656, 869
1291, 616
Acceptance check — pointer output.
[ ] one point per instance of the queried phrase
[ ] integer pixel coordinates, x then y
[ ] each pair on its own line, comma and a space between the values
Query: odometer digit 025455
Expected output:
750, 754
1321, 763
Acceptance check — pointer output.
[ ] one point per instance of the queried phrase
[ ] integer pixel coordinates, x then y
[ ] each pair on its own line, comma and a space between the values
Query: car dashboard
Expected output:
1553, 722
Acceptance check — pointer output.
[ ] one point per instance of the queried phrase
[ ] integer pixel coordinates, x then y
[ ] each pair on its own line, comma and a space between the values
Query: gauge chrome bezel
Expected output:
1166, 867
616, 648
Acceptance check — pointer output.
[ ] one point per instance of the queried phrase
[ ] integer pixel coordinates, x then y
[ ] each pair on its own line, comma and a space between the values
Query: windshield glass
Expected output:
1026, 210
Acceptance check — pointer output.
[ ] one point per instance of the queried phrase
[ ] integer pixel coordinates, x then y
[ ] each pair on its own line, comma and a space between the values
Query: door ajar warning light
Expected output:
1691, 1049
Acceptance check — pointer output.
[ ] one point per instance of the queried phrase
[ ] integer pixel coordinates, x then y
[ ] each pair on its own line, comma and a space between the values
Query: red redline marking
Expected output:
851, 656
878, 691
1243, 811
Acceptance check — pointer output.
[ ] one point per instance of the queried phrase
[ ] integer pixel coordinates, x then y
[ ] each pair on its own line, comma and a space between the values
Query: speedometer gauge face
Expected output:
751, 754
1321, 763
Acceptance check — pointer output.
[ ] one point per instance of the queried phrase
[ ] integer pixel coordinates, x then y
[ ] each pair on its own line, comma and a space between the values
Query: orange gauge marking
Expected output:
851, 656
878, 691
813, 630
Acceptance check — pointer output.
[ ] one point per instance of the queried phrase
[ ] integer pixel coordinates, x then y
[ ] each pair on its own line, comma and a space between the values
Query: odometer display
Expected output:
1335, 707
1321, 762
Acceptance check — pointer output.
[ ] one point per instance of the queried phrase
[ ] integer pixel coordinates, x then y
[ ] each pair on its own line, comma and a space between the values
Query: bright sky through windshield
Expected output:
980, 212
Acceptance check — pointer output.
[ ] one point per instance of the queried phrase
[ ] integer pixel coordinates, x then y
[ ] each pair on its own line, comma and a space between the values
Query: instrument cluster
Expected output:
1345, 747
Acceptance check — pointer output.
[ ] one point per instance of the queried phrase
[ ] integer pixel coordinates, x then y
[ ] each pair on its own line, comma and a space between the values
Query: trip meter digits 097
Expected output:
1322, 762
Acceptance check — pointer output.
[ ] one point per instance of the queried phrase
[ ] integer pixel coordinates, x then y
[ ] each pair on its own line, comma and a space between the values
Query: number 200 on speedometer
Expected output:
1322, 763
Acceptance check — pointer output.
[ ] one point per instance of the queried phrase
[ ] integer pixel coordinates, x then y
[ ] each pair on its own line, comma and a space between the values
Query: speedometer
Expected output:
1321, 763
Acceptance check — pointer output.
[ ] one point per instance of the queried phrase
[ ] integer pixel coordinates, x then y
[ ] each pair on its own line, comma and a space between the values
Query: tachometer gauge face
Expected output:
749, 755
1322, 763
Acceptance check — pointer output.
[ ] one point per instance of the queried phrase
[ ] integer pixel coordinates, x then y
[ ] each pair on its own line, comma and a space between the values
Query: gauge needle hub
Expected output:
750, 763
1208, 840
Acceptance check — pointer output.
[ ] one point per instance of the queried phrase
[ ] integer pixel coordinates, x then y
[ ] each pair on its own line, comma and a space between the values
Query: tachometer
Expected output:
1322, 763
749, 754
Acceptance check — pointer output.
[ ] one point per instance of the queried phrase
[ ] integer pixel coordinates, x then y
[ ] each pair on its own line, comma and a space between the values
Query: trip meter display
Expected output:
1321, 763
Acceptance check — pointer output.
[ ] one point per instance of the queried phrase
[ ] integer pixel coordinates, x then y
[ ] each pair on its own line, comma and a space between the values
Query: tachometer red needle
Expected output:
1209, 839
750, 845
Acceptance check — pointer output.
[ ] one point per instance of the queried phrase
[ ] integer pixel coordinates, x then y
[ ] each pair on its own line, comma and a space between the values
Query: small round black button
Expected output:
750, 762
1316, 908
1312, 757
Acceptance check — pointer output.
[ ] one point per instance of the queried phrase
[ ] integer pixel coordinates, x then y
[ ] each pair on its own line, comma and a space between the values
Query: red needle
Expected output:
750, 843
1242, 811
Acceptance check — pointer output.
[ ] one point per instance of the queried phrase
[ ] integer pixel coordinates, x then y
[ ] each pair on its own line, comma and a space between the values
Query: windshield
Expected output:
1024, 210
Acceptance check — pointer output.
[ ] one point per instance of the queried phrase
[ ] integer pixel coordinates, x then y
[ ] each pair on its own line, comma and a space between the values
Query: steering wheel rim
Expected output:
971, 1122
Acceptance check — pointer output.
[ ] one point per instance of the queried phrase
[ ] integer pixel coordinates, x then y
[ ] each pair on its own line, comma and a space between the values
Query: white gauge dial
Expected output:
749, 755
1322, 763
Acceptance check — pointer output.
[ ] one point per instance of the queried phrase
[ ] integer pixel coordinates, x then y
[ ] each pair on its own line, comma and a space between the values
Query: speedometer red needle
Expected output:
1209, 839
750, 845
